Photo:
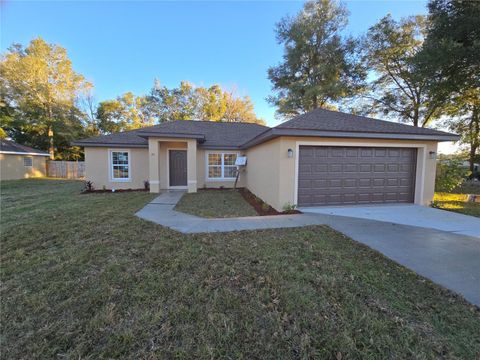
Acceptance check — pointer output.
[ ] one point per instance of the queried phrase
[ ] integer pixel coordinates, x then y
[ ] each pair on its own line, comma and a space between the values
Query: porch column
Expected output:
153, 157
192, 166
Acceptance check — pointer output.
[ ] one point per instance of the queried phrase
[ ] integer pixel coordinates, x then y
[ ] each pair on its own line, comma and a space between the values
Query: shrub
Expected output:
289, 207
88, 186
450, 174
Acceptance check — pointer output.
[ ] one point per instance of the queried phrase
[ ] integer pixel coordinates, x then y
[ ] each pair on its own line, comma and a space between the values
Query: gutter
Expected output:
275, 132
23, 153
147, 134
115, 145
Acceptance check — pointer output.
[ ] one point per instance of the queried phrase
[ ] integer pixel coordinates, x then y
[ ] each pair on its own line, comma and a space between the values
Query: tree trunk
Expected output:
51, 149
473, 151
475, 137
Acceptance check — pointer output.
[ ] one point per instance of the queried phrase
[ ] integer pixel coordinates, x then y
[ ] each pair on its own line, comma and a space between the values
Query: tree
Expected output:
126, 112
172, 104
452, 44
211, 103
40, 84
464, 110
188, 102
399, 86
451, 55
239, 109
319, 66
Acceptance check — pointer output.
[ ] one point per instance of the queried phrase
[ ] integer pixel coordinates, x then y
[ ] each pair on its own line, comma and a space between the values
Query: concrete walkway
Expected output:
447, 258
160, 211
407, 214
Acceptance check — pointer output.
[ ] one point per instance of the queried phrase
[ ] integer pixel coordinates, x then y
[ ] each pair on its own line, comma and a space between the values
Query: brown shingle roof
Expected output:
210, 134
327, 120
222, 135
129, 138
7, 146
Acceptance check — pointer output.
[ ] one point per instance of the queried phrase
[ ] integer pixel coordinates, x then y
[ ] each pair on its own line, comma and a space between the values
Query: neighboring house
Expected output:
476, 169
20, 162
319, 158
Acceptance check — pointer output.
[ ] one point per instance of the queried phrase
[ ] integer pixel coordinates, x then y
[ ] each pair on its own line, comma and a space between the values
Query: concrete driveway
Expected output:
408, 214
435, 243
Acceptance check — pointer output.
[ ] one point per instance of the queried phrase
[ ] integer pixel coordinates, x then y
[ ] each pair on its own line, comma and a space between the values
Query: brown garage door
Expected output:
331, 175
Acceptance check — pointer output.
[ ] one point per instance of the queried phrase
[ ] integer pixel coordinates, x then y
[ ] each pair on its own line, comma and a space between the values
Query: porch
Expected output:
172, 164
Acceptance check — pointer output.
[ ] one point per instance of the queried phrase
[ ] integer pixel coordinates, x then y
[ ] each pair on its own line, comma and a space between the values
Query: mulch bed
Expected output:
112, 192
260, 206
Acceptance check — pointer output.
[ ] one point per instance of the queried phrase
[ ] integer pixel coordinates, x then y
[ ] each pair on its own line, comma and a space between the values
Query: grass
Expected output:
82, 277
457, 201
215, 204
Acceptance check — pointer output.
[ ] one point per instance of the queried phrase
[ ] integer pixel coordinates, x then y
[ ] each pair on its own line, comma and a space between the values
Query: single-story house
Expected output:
21, 162
319, 158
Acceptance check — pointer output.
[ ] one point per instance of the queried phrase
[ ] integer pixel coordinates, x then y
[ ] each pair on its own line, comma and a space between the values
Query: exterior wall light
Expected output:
432, 155
290, 153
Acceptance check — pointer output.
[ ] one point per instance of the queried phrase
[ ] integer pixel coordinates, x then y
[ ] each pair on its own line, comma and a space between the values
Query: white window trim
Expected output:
31, 161
222, 178
110, 165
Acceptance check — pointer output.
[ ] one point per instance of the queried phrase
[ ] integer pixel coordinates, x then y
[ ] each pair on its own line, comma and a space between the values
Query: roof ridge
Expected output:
390, 123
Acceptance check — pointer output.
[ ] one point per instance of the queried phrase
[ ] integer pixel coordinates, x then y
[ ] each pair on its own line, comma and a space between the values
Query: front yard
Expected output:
82, 277
215, 204
457, 201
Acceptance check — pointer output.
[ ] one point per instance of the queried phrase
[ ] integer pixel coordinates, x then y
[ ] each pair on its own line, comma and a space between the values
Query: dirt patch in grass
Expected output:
82, 277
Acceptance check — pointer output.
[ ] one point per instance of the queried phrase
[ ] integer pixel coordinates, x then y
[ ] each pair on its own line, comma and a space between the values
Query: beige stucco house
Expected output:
21, 162
319, 158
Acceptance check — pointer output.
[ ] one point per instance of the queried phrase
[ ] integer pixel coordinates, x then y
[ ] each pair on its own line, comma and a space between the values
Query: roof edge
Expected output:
116, 145
23, 153
276, 132
147, 134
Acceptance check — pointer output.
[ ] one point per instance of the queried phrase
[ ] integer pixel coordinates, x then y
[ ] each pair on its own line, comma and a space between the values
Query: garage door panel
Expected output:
330, 175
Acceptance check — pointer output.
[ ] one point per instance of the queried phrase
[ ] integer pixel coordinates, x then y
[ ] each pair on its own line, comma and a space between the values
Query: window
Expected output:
120, 163
28, 161
221, 165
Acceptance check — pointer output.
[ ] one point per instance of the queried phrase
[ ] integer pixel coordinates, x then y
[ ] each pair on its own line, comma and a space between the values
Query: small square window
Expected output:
27, 161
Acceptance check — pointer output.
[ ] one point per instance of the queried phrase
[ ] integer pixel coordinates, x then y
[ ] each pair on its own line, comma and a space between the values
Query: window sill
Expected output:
220, 179
121, 180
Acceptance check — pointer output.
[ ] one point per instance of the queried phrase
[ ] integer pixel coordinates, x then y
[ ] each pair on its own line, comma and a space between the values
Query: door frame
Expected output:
419, 165
180, 187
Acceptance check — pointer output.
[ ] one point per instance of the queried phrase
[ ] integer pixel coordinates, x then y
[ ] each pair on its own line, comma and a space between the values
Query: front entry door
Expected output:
177, 160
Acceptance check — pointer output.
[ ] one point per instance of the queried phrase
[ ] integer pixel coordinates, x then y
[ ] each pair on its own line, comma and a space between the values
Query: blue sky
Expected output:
122, 46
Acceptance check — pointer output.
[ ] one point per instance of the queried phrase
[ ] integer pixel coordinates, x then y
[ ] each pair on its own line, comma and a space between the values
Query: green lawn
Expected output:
215, 204
82, 277
456, 201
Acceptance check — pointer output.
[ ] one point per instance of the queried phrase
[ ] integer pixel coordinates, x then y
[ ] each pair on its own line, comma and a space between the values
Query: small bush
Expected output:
88, 186
289, 207
265, 206
450, 174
